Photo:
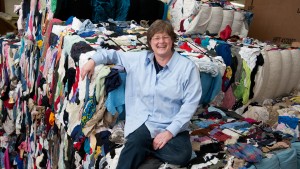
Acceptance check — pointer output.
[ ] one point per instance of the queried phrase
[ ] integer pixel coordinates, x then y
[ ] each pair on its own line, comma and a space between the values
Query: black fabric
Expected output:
79, 48
81, 9
234, 63
151, 163
5, 95
70, 74
45, 101
53, 39
108, 46
112, 80
237, 104
42, 82
103, 140
157, 66
212, 114
145, 10
66, 119
70, 163
209, 148
259, 62
25, 8
43, 163
230, 113
4, 114
20, 138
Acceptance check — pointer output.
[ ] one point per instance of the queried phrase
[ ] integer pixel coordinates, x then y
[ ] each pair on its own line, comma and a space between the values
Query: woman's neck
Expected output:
163, 60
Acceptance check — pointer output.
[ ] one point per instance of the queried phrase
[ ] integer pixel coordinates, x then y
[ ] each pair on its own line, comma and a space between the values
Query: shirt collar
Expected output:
170, 65
172, 62
149, 58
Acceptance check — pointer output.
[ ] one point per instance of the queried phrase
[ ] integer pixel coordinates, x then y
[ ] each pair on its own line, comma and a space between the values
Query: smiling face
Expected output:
161, 38
161, 44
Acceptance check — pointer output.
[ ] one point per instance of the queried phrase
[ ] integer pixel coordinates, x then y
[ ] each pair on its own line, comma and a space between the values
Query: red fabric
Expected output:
181, 27
186, 47
197, 40
56, 103
225, 34
8, 105
212, 126
220, 136
47, 115
200, 56
249, 120
77, 146
75, 85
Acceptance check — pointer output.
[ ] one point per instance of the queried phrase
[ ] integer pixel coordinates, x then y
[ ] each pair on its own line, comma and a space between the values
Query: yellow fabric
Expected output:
40, 44
52, 118
228, 72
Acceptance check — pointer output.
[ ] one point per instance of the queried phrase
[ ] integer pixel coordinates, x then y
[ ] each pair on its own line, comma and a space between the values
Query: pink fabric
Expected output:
48, 164
23, 146
6, 49
47, 64
229, 99
6, 158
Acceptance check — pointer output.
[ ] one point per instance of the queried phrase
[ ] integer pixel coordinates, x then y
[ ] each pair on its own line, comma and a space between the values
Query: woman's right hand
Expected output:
88, 69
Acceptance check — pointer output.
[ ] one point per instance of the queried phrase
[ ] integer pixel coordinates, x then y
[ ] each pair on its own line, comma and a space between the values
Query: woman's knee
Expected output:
181, 158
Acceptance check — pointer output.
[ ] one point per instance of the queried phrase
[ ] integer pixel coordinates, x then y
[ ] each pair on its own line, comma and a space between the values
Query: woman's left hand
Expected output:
161, 139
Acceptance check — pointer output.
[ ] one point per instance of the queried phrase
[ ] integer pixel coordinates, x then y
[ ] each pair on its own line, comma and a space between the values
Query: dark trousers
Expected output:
138, 146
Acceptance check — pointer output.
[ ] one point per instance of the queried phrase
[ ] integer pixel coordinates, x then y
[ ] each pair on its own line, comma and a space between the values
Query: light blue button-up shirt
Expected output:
163, 101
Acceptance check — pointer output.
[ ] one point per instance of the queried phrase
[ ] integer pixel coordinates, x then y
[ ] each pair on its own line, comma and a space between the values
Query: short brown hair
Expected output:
160, 26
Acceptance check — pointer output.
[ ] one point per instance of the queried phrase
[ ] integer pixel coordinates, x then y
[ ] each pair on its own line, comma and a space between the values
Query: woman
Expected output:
162, 92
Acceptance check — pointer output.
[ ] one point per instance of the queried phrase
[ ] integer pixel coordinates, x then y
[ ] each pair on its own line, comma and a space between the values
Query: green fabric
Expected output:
242, 91
238, 91
105, 70
247, 82
92, 40
53, 5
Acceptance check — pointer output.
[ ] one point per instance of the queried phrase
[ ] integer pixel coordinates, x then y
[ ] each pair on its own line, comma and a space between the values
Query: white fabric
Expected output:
286, 73
238, 20
227, 19
216, 20
74, 115
57, 29
76, 24
182, 9
175, 16
84, 57
257, 113
261, 78
200, 22
113, 162
9, 125
295, 74
250, 56
274, 74
20, 19
244, 30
